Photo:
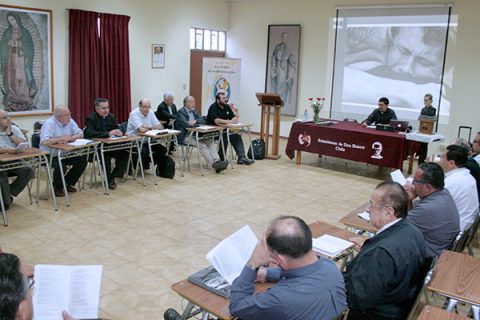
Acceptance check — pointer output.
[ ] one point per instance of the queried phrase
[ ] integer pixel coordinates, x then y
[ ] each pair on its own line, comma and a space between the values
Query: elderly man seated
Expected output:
60, 129
384, 278
435, 214
15, 291
187, 117
10, 137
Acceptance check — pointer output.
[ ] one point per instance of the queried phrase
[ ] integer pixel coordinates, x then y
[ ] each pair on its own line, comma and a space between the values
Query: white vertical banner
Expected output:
220, 75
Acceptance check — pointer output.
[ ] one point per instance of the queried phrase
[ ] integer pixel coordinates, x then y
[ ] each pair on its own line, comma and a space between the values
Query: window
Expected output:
206, 39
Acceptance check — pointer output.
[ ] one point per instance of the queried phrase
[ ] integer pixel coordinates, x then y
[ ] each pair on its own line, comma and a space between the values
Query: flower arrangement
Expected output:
316, 105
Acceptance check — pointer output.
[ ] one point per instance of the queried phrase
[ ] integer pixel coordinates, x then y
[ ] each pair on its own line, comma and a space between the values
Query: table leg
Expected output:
103, 165
229, 145
410, 160
267, 133
4, 213
140, 163
188, 311
251, 143
298, 157
152, 163
451, 304
198, 154
177, 147
476, 312
59, 159
48, 163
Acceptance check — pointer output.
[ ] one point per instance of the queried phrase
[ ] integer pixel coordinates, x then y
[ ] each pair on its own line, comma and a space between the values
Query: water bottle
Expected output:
305, 115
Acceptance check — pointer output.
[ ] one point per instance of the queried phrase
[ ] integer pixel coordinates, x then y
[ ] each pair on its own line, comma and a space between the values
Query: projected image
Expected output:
400, 57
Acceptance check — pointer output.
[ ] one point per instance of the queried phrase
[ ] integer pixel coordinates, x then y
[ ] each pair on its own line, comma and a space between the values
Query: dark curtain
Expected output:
99, 65
115, 63
83, 80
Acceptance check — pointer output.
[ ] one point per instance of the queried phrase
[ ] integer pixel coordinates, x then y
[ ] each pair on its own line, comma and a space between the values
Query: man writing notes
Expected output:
188, 118
435, 214
308, 287
10, 137
60, 129
383, 279
219, 114
102, 124
382, 115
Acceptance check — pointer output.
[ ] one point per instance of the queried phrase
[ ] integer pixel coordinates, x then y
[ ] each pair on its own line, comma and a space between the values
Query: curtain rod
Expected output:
395, 6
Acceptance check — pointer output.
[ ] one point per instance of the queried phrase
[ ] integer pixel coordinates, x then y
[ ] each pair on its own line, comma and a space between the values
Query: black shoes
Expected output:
171, 314
112, 184
219, 165
71, 189
244, 160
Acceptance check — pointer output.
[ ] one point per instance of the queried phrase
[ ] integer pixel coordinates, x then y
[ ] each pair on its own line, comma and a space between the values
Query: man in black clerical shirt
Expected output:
219, 114
382, 115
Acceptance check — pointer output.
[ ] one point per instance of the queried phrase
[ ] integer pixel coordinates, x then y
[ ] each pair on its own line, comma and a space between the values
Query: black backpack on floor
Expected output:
258, 149
166, 167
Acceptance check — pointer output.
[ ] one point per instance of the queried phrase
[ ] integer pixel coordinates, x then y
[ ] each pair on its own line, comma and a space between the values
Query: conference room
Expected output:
151, 234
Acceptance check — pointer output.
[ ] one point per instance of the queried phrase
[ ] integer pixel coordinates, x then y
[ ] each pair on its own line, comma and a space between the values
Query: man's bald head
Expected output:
289, 236
62, 114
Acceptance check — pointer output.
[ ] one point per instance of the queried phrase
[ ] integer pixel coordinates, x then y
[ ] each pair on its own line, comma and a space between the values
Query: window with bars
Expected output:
206, 39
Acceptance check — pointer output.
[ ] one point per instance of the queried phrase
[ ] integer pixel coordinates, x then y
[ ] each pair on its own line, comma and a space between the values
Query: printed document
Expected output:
330, 246
80, 142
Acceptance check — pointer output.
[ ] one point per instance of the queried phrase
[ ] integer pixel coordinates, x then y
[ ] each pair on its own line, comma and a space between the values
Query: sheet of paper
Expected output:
205, 127
364, 215
397, 176
330, 246
117, 138
22, 146
156, 132
231, 254
85, 291
80, 142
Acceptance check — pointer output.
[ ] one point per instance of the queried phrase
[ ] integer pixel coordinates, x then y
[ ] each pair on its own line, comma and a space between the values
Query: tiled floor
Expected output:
149, 238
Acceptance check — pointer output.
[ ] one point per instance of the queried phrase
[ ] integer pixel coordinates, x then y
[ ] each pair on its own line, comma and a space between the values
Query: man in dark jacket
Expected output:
102, 124
167, 110
382, 115
383, 280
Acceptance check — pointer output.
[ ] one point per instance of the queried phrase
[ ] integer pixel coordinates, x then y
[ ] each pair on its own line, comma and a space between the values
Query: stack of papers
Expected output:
205, 127
156, 132
230, 256
80, 142
117, 138
330, 246
397, 176
364, 215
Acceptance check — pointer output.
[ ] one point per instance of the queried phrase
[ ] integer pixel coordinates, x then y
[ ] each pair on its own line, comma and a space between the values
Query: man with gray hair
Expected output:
61, 129
10, 137
472, 164
167, 110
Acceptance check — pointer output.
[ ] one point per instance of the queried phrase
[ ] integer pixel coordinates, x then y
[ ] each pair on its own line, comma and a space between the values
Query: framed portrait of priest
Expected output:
283, 52
26, 68
158, 56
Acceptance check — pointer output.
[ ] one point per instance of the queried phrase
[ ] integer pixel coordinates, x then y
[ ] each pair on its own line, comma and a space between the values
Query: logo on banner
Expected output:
221, 85
304, 138
377, 146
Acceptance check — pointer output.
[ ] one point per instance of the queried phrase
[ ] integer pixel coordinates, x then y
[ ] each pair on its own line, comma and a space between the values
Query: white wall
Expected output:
152, 21
247, 39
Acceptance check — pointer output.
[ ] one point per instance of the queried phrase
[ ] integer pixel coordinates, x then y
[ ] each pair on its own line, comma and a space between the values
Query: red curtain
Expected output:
99, 65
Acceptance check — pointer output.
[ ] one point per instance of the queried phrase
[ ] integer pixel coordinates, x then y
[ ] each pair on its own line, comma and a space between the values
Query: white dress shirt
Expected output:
463, 188
137, 119
52, 128
6, 142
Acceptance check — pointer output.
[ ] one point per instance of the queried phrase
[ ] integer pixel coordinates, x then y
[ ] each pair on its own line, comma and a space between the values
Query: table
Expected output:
359, 225
422, 138
206, 133
65, 151
240, 127
168, 137
433, 313
211, 303
350, 141
457, 277
124, 143
30, 157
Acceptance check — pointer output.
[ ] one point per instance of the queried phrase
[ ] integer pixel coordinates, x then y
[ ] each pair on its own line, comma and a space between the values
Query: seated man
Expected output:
142, 120
60, 129
476, 148
220, 113
382, 115
309, 287
10, 137
460, 183
384, 278
167, 110
435, 214
187, 118
102, 124
472, 164
15, 291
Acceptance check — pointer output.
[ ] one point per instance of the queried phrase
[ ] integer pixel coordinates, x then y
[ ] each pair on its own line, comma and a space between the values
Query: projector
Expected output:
385, 127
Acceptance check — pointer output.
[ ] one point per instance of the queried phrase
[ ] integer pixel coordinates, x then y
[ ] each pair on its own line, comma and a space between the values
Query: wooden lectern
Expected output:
267, 101
426, 124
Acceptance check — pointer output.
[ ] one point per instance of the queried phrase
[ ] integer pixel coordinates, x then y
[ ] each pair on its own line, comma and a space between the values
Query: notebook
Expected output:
330, 246
211, 280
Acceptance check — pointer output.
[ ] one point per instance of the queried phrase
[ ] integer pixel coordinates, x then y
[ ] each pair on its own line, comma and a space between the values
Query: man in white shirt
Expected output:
460, 183
142, 120
60, 129
476, 148
10, 137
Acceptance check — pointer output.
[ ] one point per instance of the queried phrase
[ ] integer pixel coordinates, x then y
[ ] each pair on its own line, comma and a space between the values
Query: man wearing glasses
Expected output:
382, 281
435, 214
382, 115
10, 137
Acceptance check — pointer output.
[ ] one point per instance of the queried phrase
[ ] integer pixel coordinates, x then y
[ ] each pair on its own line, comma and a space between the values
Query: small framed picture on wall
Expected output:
158, 56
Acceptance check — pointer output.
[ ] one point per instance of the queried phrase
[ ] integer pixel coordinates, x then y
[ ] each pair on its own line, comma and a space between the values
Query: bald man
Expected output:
308, 288
10, 137
61, 129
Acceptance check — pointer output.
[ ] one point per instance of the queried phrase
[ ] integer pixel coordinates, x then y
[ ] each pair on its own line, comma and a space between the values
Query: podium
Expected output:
268, 101
426, 124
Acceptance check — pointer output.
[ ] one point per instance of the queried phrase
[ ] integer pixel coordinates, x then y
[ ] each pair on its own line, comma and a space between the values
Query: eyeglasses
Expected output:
30, 286
4, 118
418, 181
474, 141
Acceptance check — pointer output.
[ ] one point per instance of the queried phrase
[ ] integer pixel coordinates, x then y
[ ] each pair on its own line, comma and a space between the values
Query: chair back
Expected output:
473, 230
123, 127
36, 140
460, 242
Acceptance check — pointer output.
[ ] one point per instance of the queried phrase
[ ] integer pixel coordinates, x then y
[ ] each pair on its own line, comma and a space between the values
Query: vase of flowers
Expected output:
317, 105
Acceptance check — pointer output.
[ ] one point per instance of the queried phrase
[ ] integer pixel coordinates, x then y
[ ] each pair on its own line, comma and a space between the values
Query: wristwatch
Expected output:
10, 134
251, 267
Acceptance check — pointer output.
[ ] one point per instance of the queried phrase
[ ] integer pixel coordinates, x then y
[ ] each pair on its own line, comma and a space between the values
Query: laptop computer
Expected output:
399, 125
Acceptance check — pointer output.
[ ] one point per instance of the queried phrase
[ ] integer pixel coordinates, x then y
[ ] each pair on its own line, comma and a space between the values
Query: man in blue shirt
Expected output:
309, 287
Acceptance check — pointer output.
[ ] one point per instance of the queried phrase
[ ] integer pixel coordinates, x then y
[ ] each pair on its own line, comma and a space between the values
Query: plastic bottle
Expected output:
305, 115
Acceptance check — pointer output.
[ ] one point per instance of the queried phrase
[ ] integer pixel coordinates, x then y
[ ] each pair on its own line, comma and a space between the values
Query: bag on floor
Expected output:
166, 167
258, 149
